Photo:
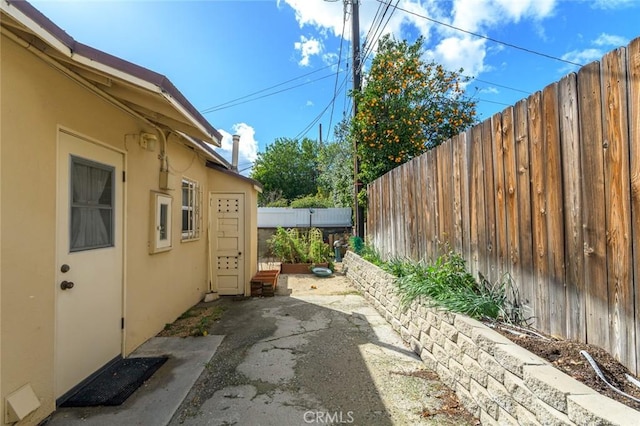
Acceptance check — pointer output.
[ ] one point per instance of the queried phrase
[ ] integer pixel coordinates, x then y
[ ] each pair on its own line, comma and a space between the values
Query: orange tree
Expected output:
406, 107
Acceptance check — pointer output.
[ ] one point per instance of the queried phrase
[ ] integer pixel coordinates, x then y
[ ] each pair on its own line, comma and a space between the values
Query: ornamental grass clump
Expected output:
447, 284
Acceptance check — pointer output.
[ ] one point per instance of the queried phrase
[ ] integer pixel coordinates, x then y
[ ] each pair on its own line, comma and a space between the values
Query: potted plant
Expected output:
299, 251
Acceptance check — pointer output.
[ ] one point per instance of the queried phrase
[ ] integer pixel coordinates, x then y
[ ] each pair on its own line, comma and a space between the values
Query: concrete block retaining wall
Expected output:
496, 380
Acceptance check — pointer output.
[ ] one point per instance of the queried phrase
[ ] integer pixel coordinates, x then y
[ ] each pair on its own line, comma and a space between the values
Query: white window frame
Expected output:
192, 204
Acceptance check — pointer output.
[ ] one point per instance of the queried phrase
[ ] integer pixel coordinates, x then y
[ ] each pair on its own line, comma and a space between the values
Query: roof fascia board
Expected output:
216, 139
60, 41
92, 63
210, 154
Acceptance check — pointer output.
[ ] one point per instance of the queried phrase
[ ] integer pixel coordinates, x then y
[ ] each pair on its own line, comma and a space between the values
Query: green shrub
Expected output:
311, 201
447, 284
293, 246
396, 266
281, 202
356, 244
370, 254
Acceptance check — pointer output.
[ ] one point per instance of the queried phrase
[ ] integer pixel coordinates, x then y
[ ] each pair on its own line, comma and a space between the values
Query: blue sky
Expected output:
275, 68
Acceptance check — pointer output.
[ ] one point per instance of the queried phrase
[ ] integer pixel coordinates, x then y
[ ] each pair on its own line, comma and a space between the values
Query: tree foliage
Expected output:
289, 168
407, 107
311, 201
306, 173
279, 202
335, 163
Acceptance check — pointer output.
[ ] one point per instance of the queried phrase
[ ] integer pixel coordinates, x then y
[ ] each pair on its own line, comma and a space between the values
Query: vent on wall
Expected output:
20, 404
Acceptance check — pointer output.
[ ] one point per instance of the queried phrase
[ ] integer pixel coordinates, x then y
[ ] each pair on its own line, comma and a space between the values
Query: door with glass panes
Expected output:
89, 267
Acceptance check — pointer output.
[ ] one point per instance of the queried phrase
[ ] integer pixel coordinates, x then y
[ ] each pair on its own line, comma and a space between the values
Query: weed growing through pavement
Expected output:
194, 322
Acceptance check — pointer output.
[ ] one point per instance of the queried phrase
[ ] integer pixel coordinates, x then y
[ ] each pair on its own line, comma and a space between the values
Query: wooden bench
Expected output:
264, 283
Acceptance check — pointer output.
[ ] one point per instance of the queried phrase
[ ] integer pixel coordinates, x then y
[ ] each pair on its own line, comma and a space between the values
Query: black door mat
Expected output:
115, 384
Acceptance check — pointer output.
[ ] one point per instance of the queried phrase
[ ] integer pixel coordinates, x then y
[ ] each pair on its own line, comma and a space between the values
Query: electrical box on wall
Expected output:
164, 180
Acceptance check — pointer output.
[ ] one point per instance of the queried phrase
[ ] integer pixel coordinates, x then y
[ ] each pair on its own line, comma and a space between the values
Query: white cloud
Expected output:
605, 39
331, 59
612, 4
322, 15
475, 15
489, 90
583, 56
530, 9
450, 47
248, 147
595, 52
309, 103
307, 48
467, 53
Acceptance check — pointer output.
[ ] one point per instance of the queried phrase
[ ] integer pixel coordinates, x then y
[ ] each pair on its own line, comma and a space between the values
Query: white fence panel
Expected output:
272, 217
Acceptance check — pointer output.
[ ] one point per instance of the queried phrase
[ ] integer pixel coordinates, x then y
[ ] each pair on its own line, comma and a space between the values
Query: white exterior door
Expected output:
89, 258
227, 242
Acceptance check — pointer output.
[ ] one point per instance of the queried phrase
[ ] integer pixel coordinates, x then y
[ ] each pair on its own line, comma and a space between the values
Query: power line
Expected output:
499, 85
319, 116
524, 49
335, 86
219, 106
373, 24
268, 94
493, 102
346, 94
378, 31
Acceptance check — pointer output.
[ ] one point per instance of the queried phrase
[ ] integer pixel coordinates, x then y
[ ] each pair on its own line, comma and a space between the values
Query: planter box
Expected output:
298, 268
497, 380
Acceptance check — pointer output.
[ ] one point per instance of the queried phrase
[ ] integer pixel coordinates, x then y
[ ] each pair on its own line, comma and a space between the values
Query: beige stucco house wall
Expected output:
42, 100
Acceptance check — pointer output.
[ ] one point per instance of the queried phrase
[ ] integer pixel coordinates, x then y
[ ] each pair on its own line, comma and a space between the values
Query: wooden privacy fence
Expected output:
547, 191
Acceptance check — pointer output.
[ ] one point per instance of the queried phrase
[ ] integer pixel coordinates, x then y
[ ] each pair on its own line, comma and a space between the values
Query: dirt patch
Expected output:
194, 322
305, 284
450, 407
565, 356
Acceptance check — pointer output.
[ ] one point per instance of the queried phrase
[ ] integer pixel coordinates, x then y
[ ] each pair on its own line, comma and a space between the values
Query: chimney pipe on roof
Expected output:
234, 152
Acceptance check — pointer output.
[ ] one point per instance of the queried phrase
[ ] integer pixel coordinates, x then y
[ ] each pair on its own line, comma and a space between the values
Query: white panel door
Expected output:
89, 258
227, 221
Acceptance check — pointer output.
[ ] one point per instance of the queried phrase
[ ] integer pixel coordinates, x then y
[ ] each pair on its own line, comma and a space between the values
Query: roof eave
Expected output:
154, 83
215, 166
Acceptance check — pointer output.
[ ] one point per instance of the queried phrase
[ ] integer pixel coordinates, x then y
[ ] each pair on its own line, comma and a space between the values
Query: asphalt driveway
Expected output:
316, 353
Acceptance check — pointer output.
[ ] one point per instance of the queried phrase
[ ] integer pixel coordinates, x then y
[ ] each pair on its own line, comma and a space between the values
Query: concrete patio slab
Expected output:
156, 401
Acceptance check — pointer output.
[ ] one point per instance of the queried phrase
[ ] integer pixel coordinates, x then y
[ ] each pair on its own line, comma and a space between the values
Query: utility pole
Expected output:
357, 68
